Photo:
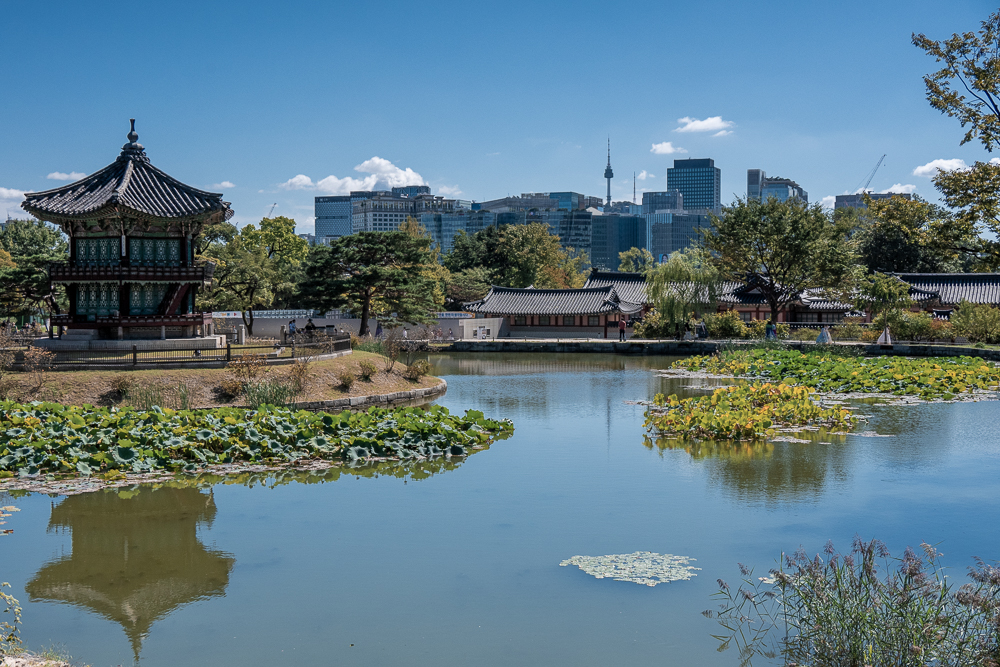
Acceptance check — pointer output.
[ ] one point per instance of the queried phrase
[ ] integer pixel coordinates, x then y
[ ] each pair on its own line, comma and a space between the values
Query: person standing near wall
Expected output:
621, 327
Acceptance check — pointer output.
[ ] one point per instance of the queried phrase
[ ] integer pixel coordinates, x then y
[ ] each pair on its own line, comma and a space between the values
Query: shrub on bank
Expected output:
980, 323
417, 370
726, 324
42, 438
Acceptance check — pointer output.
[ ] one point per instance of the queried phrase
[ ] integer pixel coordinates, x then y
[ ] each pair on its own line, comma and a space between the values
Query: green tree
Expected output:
784, 247
24, 279
687, 282
967, 87
637, 260
882, 295
518, 256
276, 236
245, 279
372, 274
467, 285
900, 235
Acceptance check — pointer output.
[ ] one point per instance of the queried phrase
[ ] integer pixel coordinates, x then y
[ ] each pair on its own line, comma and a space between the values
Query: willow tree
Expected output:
686, 283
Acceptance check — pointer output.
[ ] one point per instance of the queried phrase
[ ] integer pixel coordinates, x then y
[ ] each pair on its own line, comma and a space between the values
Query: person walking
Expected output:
621, 328
378, 330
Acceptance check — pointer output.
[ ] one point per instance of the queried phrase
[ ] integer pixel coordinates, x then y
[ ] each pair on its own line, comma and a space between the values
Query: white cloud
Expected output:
900, 189
995, 160
300, 182
223, 185
931, 168
666, 148
722, 133
711, 124
643, 175
10, 202
828, 202
383, 175
61, 176
449, 190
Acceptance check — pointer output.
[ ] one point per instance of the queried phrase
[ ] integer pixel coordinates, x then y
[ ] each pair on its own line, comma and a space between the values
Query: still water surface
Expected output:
459, 564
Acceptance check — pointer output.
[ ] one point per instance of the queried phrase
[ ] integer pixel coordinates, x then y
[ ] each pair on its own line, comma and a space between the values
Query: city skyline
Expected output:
247, 99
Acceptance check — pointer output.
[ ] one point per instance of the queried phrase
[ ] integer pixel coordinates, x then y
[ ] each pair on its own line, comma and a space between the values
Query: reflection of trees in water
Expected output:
136, 556
534, 363
780, 471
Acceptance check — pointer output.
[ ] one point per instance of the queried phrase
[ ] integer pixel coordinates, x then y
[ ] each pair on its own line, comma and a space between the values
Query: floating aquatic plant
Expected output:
641, 567
925, 378
40, 438
744, 412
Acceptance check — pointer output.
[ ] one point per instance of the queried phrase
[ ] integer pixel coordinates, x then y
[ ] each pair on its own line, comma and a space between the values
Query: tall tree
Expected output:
784, 247
245, 279
372, 273
900, 235
24, 279
882, 294
637, 260
967, 87
688, 281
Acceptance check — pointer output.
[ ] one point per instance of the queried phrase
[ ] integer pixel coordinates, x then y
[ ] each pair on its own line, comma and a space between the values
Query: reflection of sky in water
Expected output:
461, 565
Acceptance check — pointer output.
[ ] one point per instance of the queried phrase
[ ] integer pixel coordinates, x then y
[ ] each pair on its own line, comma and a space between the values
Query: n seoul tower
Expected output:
608, 174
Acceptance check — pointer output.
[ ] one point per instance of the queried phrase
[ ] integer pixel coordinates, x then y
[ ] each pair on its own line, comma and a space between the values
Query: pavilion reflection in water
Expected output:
136, 556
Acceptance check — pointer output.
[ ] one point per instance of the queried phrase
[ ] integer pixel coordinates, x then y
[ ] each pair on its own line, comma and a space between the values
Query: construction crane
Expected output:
871, 175
276, 203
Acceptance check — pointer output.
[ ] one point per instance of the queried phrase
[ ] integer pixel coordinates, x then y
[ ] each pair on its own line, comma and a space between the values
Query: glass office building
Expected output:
699, 181
333, 218
782, 189
671, 200
613, 234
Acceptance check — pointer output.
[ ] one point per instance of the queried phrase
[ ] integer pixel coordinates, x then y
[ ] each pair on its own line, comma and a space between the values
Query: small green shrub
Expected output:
417, 370
725, 325
367, 370
911, 326
849, 329
346, 379
807, 333
654, 326
122, 383
980, 323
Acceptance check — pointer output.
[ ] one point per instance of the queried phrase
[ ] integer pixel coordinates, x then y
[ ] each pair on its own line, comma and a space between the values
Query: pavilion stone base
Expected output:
70, 342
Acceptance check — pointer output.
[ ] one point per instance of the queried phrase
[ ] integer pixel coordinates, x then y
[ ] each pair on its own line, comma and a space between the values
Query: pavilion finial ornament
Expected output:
132, 135
133, 146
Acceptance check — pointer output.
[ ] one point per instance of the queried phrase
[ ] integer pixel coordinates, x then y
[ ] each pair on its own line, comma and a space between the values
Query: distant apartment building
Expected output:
411, 190
858, 201
541, 201
386, 211
760, 187
308, 238
671, 200
699, 182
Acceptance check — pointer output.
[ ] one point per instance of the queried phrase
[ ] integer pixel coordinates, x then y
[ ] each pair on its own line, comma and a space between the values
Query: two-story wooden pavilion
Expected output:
132, 231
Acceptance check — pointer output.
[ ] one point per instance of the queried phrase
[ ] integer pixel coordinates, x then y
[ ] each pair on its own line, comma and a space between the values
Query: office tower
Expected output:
612, 234
782, 189
857, 201
755, 181
411, 190
699, 181
652, 202
333, 218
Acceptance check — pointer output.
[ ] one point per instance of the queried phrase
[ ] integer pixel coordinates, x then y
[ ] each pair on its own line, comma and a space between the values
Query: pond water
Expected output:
459, 564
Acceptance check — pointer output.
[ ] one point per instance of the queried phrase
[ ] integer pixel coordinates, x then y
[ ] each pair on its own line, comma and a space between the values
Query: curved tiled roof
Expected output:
630, 287
952, 288
531, 301
128, 185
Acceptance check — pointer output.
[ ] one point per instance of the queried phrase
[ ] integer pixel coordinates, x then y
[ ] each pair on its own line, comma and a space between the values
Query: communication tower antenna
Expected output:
633, 187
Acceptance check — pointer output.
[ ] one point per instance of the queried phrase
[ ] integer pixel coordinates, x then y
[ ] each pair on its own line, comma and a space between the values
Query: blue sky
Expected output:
279, 102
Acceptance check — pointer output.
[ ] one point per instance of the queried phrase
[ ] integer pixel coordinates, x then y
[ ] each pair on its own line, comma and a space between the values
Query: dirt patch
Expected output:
321, 382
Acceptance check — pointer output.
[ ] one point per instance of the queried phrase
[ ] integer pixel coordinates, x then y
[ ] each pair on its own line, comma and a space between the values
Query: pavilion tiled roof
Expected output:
130, 185
629, 286
531, 301
953, 288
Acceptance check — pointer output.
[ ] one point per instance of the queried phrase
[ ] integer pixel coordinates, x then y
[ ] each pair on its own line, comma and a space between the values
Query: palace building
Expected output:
132, 233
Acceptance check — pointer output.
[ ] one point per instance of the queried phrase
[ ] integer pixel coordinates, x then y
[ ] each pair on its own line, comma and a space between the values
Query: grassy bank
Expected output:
206, 387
